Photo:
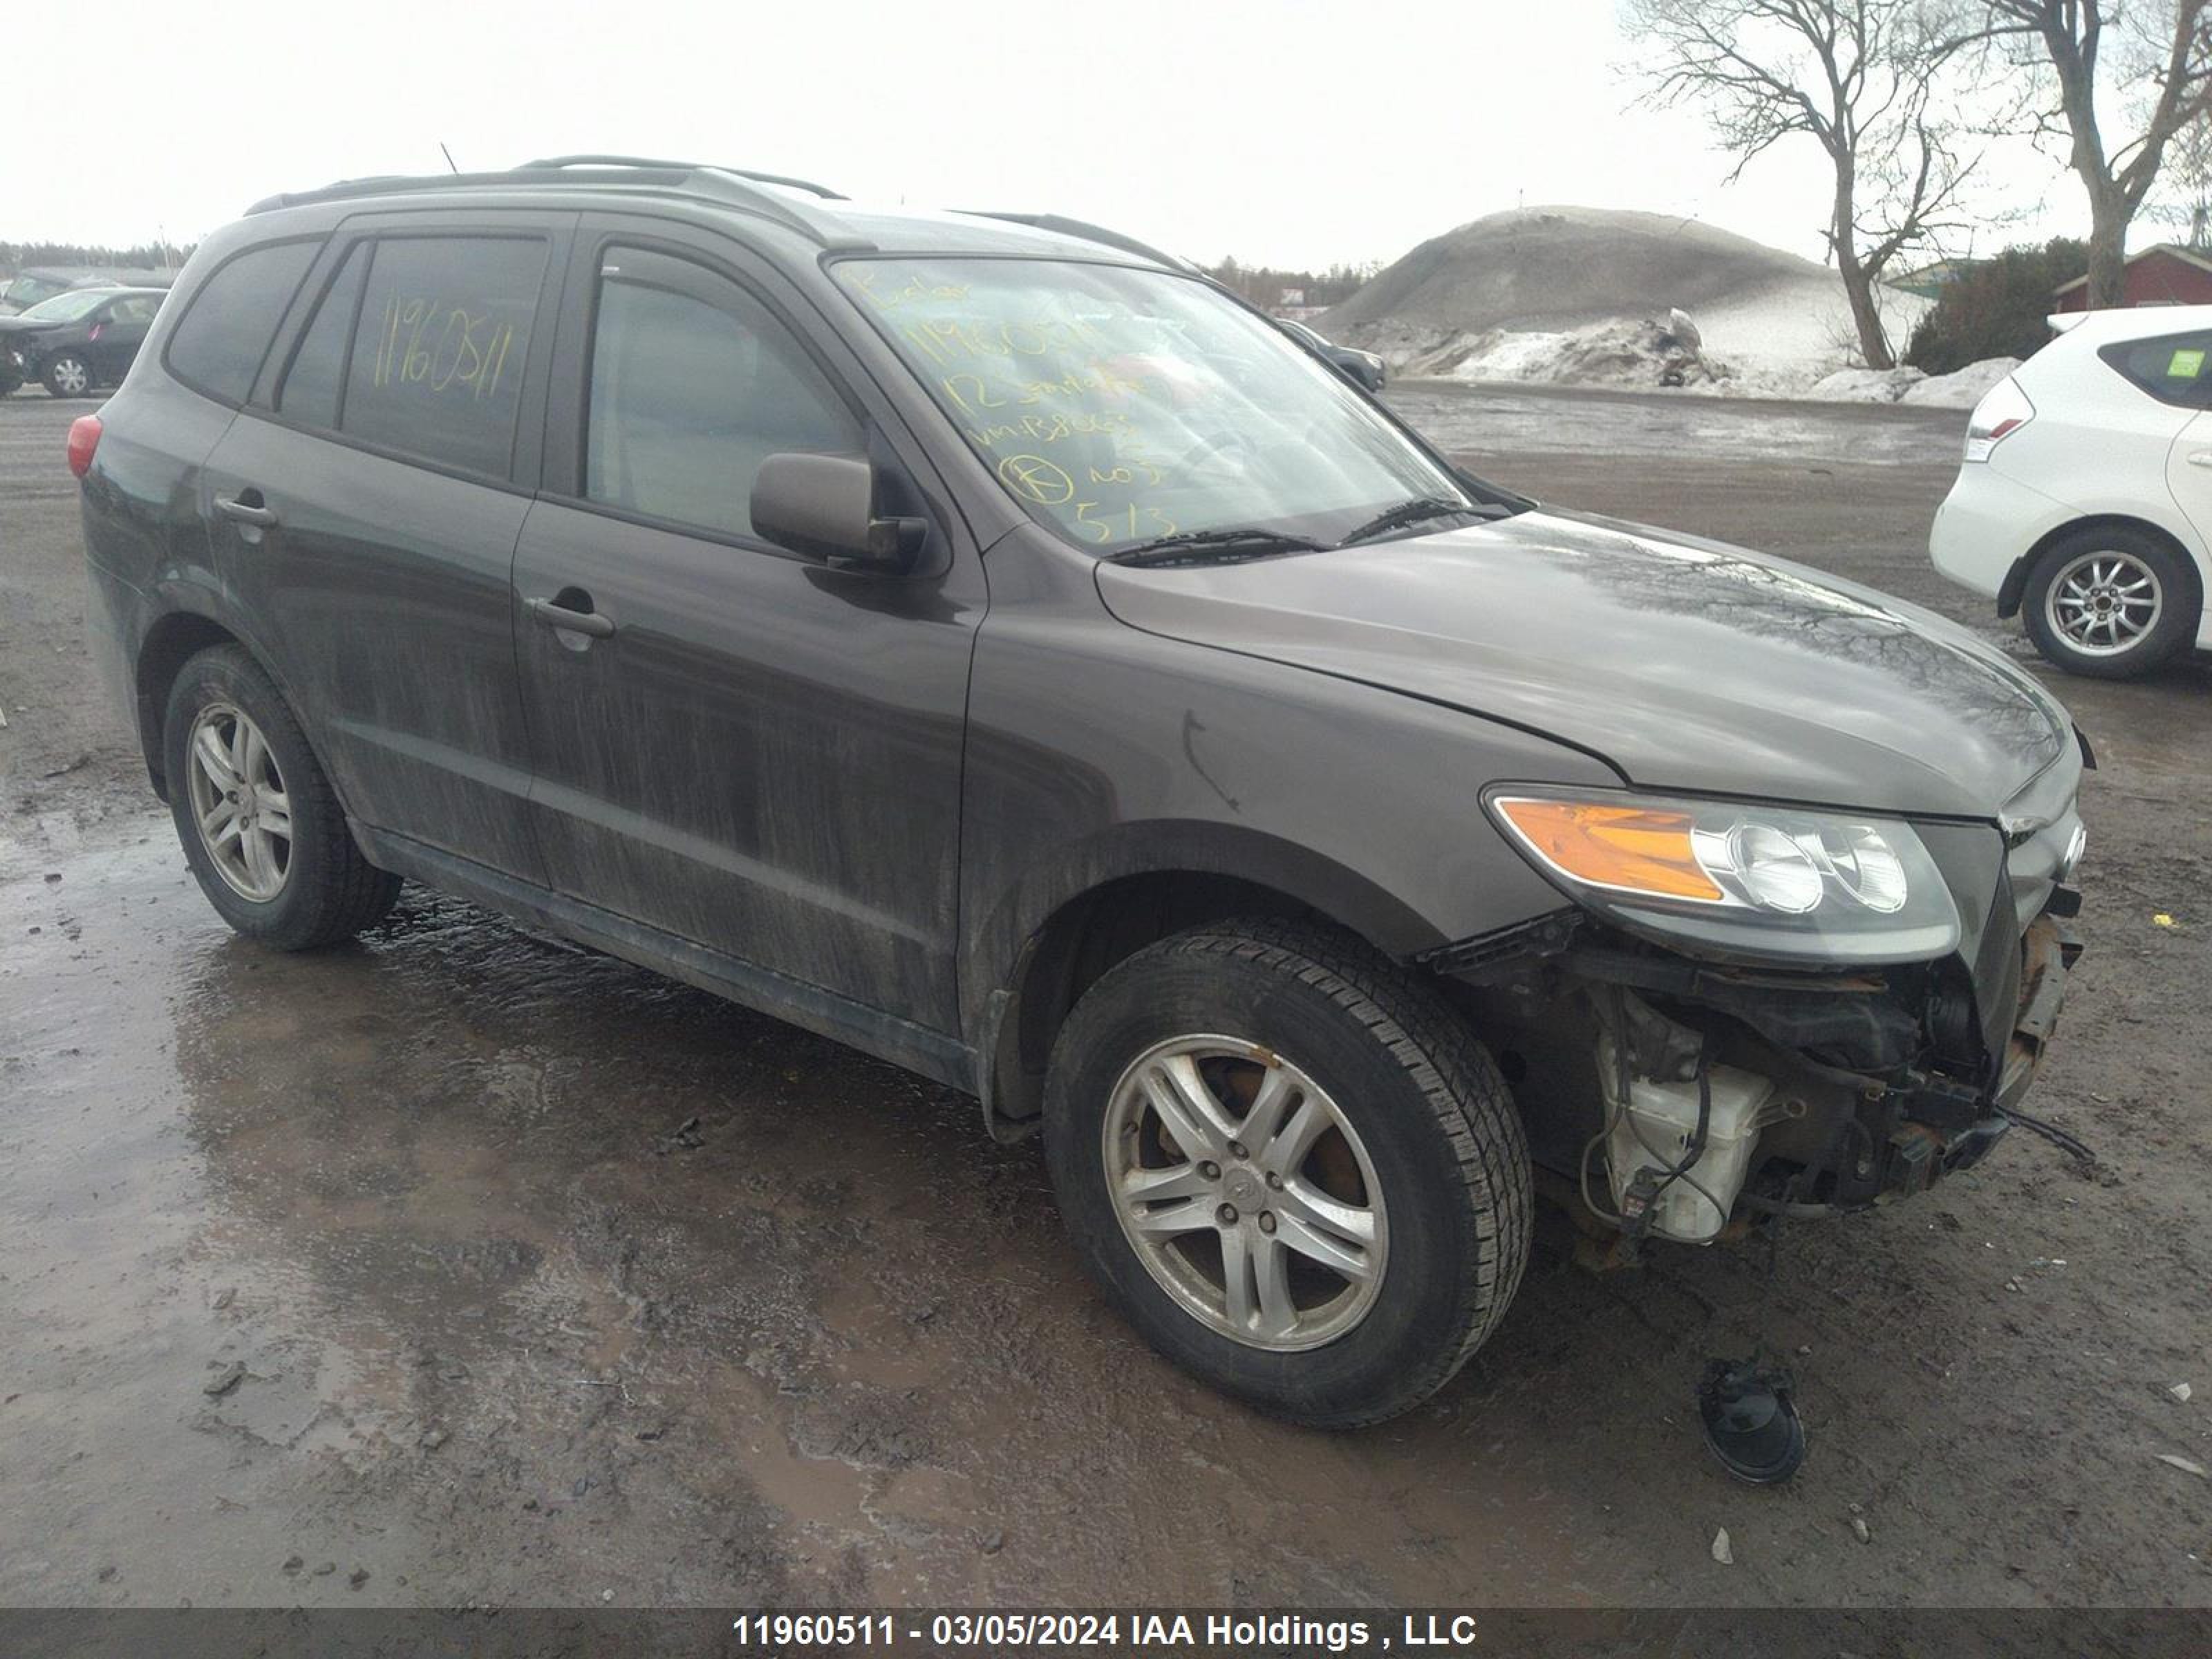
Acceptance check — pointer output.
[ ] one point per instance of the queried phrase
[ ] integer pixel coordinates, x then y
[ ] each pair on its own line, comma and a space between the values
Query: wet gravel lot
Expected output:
458, 1266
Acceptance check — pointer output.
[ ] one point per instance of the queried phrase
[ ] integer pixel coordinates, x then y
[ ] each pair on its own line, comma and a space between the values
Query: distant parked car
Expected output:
2084, 503
76, 342
35, 284
1363, 367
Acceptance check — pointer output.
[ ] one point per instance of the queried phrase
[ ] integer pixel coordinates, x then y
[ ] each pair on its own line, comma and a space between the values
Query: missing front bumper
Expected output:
1870, 1087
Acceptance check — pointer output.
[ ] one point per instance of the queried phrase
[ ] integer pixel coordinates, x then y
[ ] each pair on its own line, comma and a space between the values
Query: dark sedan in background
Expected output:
1364, 368
78, 342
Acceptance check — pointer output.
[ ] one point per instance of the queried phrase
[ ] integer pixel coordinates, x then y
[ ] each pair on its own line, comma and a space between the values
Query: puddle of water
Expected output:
825, 1354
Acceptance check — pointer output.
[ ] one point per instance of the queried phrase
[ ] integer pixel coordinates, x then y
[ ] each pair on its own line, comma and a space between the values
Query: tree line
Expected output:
1266, 287
145, 255
1909, 99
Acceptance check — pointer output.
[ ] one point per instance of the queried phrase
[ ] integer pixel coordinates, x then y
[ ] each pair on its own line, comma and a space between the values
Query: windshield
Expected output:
1121, 406
27, 291
68, 307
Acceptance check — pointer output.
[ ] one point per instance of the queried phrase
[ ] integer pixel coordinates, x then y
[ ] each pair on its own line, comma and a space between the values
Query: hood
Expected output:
1685, 664
19, 326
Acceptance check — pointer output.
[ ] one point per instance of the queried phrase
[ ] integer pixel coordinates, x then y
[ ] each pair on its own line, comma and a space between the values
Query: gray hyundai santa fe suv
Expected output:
983, 640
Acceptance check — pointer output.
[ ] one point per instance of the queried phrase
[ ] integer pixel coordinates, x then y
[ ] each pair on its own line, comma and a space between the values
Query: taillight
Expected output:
83, 439
2003, 410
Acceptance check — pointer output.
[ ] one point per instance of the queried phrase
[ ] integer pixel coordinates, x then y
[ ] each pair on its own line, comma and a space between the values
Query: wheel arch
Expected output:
172, 640
2014, 587
1056, 938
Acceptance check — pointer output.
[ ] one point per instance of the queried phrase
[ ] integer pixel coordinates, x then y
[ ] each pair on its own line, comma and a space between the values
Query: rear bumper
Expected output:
1986, 526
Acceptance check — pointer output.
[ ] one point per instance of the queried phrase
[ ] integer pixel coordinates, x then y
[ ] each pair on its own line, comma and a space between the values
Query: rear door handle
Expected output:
252, 512
576, 621
2199, 458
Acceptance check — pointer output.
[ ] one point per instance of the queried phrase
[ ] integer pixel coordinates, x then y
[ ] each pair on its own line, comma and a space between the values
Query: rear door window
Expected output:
694, 383
435, 369
2175, 368
218, 347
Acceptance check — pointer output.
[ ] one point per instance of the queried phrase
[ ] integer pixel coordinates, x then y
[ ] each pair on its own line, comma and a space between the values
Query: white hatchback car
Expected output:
2085, 500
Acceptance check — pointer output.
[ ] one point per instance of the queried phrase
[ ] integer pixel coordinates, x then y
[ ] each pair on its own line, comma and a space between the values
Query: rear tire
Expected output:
1419, 1180
2111, 603
68, 376
237, 766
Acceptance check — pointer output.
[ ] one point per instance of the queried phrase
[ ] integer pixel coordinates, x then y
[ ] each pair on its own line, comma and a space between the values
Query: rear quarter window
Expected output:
225, 332
2175, 368
310, 392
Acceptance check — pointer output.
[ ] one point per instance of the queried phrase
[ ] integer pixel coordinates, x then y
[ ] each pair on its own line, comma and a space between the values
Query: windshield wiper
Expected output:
1413, 512
1243, 542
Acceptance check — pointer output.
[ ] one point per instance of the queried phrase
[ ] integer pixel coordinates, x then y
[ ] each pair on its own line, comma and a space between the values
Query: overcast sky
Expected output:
1291, 133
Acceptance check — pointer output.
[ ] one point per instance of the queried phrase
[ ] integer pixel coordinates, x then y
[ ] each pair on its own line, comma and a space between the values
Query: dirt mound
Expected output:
1605, 297
1558, 268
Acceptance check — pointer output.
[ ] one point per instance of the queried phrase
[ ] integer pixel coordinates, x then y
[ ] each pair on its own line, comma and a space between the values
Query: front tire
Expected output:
260, 824
1291, 1166
67, 376
2110, 603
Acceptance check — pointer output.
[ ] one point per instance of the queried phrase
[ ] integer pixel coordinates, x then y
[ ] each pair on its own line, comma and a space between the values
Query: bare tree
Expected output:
2160, 48
1860, 76
2184, 197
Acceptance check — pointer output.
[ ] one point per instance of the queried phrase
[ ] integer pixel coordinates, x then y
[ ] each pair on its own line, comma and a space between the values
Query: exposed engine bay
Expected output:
1679, 1097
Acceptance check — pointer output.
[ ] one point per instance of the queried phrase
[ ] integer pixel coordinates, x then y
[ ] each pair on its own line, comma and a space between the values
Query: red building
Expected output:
2161, 276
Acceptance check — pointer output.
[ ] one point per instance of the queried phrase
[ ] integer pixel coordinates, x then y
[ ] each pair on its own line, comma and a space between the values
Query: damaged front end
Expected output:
1681, 1076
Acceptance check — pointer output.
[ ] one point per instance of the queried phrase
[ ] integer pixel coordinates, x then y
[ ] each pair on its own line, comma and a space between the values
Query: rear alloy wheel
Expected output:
68, 376
1291, 1165
2110, 603
261, 827
239, 803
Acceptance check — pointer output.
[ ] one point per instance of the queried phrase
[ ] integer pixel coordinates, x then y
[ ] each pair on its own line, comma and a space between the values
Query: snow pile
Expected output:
1618, 354
1962, 390
1865, 385
1597, 297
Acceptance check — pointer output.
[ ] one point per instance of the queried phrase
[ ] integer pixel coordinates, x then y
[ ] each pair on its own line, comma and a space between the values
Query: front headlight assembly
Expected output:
1739, 878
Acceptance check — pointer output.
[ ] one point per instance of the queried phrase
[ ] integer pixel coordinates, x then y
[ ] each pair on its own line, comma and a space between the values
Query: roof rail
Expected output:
807, 185
1084, 231
724, 184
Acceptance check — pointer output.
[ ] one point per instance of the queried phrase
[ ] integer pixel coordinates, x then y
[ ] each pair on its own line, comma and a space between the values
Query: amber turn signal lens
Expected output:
1640, 849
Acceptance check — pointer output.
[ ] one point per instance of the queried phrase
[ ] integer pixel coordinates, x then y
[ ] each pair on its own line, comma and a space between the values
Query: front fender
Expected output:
1096, 752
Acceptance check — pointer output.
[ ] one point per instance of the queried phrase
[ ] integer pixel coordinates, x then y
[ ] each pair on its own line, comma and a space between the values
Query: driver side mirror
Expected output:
825, 506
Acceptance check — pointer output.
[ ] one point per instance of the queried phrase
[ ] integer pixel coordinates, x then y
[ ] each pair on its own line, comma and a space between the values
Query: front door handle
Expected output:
576, 621
2199, 458
248, 513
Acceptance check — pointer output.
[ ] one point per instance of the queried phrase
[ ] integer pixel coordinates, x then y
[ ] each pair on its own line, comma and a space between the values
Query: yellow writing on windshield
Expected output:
908, 293
1044, 481
1050, 428
946, 340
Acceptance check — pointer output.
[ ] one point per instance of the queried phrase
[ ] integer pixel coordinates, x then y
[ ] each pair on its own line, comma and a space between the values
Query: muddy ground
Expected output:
507, 1338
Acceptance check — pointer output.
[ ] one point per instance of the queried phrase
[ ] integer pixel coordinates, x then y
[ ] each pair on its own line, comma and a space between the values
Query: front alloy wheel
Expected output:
239, 803
1246, 1192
